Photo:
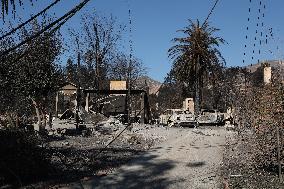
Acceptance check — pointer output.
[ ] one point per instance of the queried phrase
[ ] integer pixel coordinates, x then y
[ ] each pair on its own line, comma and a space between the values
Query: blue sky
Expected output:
155, 23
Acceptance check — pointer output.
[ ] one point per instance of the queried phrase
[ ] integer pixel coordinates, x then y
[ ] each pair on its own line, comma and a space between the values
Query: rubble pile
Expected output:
94, 148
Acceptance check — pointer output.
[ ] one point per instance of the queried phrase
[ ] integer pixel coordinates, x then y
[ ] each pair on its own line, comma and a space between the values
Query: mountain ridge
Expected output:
153, 85
275, 64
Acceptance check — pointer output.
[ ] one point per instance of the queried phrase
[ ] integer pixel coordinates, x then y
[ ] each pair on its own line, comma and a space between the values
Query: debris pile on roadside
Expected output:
76, 156
91, 149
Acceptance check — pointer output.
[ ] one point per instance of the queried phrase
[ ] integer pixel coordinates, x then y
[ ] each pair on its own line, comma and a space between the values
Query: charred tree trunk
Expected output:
10, 120
17, 120
36, 105
43, 118
50, 120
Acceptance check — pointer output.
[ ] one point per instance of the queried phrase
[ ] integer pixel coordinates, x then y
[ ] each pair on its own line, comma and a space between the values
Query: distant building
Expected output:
118, 85
65, 98
188, 104
68, 89
267, 74
277, 67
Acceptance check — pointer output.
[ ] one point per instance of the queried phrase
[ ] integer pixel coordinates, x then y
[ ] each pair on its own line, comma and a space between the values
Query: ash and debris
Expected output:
76, 155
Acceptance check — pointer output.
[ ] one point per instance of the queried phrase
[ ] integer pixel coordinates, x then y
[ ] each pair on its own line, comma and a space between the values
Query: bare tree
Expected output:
101, 36
119, 68
99, 43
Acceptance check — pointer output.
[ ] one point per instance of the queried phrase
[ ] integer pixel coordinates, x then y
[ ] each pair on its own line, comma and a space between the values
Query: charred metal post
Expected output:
87, 102
56, 104
147, 106
128, 95
142, 98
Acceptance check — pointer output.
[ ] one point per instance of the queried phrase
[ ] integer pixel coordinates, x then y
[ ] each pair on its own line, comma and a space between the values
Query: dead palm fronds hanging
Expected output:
6, 4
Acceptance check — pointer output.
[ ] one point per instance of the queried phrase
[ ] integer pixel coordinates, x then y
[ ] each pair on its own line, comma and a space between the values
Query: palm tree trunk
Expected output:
197, 87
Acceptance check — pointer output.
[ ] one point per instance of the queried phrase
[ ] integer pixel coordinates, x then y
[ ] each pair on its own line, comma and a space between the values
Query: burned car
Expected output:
210, 117
177, 117
164, 118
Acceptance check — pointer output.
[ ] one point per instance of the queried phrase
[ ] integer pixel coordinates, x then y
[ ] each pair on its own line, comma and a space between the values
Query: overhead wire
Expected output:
64, 18
255, 34
48, 34
211, 11
29, 20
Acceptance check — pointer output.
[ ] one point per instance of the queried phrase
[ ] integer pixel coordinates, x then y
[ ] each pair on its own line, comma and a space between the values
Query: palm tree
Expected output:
195, 56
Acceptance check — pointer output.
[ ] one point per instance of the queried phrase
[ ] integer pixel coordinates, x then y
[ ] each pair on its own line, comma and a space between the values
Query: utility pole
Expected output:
97, 51
129, 73
97, 47
78, 91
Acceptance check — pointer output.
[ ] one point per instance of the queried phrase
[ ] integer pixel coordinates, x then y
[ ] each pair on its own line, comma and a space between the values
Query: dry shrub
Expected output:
263, 112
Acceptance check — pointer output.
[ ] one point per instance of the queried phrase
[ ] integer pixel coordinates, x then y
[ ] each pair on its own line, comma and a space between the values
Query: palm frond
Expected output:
198, 40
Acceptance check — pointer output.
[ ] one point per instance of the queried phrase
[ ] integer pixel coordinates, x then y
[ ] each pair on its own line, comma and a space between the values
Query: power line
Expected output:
211, 11
256, 37
49, 33
63, 18
29, 20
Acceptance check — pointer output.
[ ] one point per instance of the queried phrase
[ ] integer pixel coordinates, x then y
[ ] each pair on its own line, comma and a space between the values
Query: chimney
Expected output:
267, 75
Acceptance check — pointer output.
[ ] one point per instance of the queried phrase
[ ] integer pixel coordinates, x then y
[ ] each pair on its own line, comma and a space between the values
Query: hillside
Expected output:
275, 64
152, 84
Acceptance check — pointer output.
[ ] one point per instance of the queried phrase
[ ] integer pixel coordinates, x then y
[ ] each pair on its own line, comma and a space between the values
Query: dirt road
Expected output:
189, 158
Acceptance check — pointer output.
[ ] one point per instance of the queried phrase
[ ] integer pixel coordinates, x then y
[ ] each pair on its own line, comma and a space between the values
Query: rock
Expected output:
101, 173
